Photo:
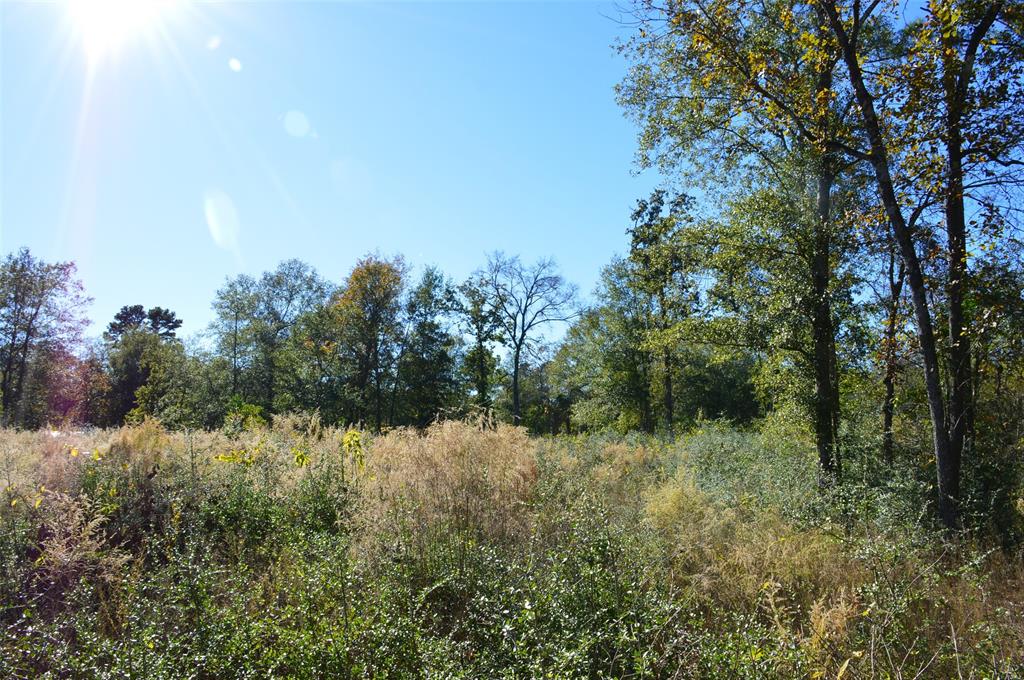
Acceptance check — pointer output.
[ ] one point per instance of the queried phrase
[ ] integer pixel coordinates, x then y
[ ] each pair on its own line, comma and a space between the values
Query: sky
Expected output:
167, 148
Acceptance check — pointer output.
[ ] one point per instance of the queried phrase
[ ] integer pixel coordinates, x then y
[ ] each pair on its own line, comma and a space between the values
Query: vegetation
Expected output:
781, 438
474, 550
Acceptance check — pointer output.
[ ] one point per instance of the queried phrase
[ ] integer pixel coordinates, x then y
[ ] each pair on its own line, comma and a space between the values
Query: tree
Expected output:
480, 321
128, 318
163, 322
369, 306
255, 319
235, 307
315, 373
606, 358
525, 299
282, 297
40, 308
547, 405
740, 96
662, 273
130, 358
135, 342
186, 387
964, 106
428, 361
158, 320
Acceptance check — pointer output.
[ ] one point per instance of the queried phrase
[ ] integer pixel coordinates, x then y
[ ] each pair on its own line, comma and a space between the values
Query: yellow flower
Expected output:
74, 452
301, 456
352, 443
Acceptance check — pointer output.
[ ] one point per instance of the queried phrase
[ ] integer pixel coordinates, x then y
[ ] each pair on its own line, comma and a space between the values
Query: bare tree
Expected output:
525, 298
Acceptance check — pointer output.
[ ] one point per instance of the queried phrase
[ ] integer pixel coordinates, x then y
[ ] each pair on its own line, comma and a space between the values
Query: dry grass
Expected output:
731, 555
452, 477
884, 609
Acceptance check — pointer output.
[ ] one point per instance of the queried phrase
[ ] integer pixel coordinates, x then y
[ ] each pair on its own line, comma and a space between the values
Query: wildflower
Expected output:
74, 452
301, 456
352, 443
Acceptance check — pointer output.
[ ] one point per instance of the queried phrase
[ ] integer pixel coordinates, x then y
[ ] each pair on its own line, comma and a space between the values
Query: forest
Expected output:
783, 437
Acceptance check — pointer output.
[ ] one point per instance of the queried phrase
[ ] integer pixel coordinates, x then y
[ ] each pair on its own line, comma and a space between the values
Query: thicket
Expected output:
472, 550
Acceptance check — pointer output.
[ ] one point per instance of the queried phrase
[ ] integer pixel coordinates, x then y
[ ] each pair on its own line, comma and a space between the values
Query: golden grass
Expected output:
481, 482
453, 476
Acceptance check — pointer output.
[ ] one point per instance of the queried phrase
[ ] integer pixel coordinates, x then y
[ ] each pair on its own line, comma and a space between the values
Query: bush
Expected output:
303, 551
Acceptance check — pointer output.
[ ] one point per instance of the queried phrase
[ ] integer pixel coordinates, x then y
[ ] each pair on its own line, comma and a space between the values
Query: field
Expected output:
474, 550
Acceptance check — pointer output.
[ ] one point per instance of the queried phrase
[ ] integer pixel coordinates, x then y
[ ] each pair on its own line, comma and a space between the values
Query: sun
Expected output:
104, 26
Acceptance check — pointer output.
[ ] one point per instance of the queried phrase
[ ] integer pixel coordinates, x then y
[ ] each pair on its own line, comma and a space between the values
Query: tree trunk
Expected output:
516, 412
234, 356
889, 351
483, 388
960, 401
826, 397
947, 463
647, 420
670, 404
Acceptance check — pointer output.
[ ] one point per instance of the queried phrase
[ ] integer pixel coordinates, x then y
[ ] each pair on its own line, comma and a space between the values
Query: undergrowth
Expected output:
303, 551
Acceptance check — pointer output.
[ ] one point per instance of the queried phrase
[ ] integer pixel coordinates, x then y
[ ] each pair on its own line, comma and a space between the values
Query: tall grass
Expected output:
467, 550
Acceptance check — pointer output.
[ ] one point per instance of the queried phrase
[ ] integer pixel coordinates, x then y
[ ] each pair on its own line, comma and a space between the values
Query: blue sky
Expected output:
211, 139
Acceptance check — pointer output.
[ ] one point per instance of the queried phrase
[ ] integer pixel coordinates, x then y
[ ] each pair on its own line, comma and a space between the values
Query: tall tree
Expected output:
255, 318
369, 307
235, 308
480, 322
282, 297
135, 340
739, 94
428, 383
40, 307
606, 355
128, 318
525, 299
898, 155
163, 322
158, 320
661, 272
129, 363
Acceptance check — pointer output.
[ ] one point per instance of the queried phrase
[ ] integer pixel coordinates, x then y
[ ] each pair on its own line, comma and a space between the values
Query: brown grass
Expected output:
480, 482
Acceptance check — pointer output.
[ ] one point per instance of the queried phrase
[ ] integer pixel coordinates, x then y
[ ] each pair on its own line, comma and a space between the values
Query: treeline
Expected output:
385, 347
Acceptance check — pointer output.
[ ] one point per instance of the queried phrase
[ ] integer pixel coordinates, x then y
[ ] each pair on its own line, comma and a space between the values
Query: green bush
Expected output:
469, 553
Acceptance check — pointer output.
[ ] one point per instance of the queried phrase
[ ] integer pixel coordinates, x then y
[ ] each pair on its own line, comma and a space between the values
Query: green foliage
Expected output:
464, 552
242, 417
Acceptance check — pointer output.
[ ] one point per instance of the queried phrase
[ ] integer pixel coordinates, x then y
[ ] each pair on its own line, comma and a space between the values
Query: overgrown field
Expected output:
301, 551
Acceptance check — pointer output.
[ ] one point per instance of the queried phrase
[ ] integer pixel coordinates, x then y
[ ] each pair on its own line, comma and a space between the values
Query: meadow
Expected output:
470, 549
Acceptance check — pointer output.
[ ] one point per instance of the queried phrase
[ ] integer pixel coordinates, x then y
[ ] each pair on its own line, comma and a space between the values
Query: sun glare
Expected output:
104, 26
